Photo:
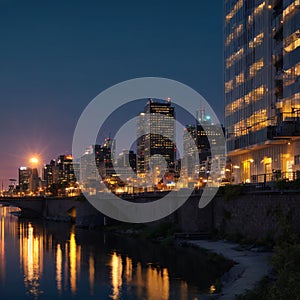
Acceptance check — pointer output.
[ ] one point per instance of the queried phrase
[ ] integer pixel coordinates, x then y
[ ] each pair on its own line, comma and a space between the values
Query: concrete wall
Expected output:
191, 219
257, 216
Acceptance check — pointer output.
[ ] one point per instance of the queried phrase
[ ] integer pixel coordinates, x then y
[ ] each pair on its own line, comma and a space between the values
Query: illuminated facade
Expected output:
197, 160
156, 134
66, 174
59, 175
262, 98
50, 173
104, 158
140, 144
191, 165
28, 180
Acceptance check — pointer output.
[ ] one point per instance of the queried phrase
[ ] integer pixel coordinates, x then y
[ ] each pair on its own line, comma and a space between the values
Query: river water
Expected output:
48, 260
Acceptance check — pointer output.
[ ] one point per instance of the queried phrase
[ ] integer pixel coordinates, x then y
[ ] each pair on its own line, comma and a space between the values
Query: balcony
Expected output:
288, 128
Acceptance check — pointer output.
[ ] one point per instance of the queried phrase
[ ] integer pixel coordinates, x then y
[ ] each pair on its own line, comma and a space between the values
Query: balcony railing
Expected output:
275, 176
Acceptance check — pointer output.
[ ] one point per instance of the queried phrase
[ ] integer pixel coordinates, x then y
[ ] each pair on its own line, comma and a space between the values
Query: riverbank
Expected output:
251, 266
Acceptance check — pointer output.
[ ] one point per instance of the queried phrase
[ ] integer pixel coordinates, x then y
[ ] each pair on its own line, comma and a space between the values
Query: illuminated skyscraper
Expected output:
262, 99
104, 158
140, 144
66, 174
50, 173
158, 134
28, 180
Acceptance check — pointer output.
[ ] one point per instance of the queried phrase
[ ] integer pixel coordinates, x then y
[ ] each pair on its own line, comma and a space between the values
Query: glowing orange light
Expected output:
34, 160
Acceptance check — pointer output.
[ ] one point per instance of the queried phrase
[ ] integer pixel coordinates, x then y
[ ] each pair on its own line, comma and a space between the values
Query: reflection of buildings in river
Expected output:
68, 262
75, 259
91, 273
59, 268
158, 284
150, 282
31, 259
183, 290
116, 275
7, 229
2, 250
37, 247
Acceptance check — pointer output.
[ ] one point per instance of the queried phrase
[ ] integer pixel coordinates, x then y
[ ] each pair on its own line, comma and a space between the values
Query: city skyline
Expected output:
125, 168
50, 72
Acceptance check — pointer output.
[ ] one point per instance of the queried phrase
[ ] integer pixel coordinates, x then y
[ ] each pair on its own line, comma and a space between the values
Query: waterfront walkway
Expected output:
251, 266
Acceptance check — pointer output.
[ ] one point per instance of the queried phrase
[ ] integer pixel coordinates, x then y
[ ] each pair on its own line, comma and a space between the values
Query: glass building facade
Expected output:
262, 103
156, 135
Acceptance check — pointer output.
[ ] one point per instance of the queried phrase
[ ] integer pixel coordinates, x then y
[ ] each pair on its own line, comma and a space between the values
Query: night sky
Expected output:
57, 55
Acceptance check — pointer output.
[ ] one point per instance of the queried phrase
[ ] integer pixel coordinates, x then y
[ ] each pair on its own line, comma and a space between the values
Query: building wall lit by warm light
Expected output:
262, 99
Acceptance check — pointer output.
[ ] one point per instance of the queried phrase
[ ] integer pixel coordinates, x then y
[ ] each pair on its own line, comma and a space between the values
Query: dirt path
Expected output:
251, 267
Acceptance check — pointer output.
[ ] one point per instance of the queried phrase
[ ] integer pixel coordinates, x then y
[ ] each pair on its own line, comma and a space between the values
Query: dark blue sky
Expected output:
57, 55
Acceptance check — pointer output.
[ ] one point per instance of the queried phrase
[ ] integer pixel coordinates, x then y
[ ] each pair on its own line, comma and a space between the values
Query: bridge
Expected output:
78, 210
66, 209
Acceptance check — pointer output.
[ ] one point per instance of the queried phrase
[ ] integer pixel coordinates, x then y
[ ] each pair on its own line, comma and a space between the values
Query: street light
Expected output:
34, 160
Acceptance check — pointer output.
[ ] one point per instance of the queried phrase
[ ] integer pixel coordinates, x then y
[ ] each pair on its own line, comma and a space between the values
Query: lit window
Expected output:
290, 9
291, 75
257, 40
239, 79
258, 65
256, 12
228, 86
236, 33
292, 42
234, 57
231, 14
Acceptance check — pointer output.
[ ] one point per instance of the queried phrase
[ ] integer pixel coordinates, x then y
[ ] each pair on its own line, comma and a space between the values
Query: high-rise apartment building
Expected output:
262, 98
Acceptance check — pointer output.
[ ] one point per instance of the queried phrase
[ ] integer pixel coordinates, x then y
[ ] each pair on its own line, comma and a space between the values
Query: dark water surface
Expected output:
47, 260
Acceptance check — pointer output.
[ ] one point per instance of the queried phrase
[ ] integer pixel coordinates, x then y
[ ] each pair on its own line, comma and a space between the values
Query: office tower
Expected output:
159, 123
197, 159
140, 145
24, 178
126, 159
66, 174
262, 99
88, 169
190, 160
104, 158
50, 173
28, 180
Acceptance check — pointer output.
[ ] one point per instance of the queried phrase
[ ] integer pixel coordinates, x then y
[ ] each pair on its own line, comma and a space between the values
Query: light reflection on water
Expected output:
47, 262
